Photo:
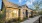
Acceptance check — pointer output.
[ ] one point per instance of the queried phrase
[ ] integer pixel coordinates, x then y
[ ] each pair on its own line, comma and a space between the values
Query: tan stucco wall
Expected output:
10, 16
21, 16
23, 9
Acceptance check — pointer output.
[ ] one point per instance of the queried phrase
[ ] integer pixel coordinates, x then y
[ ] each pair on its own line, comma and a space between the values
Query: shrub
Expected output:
40, 13
1, 20
0, 16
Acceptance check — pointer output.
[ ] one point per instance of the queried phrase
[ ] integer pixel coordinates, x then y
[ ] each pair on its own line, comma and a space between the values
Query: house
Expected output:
35, 13
13, 11
9, 10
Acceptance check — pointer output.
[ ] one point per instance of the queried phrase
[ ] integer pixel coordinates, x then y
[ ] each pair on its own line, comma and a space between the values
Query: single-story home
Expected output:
14, 11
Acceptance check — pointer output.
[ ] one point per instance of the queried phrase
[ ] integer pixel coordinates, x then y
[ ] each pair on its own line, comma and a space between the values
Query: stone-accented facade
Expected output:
23, 11
14, 11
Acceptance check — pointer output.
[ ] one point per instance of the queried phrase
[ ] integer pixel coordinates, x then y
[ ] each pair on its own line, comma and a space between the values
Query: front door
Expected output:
27, 13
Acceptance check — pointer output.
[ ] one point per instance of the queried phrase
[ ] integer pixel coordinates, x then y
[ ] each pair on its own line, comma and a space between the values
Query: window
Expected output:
26, 12
29, 12
14, 13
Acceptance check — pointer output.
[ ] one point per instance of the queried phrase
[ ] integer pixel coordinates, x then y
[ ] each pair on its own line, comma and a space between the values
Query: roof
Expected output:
27, 7
24, 5
8, 4
31, 9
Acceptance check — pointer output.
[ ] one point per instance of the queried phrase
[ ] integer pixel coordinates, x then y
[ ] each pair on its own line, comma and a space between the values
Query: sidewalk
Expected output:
31, 20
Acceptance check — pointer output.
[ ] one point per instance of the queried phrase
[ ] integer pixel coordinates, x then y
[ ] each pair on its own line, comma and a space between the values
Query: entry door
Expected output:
19, 14
26, 13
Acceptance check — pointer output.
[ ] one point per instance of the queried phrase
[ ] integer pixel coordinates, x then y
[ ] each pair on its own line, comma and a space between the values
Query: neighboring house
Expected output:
30, 12
35, 13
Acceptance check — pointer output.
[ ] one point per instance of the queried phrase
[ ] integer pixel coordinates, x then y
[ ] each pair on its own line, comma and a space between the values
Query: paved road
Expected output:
31, 20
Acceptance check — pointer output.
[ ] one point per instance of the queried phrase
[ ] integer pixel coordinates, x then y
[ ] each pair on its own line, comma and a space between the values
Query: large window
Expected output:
14, 12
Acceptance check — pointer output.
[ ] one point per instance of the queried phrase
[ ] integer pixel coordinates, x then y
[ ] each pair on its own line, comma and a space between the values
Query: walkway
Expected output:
31, 20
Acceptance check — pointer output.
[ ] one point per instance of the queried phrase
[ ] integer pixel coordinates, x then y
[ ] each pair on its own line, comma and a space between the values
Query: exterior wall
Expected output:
21, 16
13, 8
23, 12
10, 9
25, 8
10, 13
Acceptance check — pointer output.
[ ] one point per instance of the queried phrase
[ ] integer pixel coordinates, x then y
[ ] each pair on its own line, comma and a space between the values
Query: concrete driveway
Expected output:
31, 20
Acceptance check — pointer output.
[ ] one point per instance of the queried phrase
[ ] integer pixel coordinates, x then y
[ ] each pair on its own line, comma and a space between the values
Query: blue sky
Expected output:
0, 4
29, 3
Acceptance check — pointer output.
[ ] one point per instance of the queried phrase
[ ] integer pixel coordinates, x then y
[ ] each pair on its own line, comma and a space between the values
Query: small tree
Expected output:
37, 5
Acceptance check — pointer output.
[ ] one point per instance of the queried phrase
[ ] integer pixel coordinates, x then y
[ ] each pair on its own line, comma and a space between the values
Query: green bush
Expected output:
1, 20
1, 16
40, 13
